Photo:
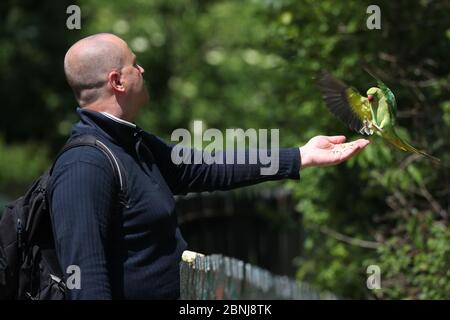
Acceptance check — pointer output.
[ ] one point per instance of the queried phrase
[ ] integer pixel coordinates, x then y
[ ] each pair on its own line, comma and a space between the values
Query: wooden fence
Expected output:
218, 277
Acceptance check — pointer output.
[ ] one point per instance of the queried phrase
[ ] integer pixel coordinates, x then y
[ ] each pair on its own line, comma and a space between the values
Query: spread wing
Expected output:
345, 102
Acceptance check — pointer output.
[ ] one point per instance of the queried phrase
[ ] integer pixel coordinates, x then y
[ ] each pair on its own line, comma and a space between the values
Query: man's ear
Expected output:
114, 79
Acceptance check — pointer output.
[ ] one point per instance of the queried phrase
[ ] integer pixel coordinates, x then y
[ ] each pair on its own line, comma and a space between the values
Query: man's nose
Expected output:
141, 70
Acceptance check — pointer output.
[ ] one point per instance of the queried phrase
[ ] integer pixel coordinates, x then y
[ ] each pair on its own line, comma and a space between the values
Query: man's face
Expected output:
133, 79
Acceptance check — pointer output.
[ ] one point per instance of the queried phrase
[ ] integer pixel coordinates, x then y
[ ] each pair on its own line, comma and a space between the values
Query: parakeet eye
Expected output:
370, 97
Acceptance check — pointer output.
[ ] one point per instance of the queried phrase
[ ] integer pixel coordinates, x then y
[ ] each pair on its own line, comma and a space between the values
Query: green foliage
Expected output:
253, 64
376, 194
20, 164
417, 265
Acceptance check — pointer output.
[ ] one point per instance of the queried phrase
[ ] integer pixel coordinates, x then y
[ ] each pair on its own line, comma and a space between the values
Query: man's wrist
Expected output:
303, 158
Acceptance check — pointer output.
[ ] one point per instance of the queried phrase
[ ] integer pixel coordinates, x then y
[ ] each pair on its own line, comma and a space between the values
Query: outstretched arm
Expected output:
183, 178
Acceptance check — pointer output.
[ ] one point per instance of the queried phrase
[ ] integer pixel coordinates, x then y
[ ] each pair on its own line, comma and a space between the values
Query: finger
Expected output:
361, 142
336, 139
346, 150
342, 147
350, 152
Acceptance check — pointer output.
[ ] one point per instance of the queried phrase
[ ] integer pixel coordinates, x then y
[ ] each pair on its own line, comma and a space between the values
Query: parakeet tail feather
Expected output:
403, 145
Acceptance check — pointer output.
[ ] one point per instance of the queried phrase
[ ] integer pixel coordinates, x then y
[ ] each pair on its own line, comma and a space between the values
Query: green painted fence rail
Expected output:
217, 277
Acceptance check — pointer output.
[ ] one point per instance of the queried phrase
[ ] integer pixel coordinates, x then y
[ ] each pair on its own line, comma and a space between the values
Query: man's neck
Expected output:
113, 109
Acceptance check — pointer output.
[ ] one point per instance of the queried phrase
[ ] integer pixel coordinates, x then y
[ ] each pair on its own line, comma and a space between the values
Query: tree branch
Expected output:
350, 240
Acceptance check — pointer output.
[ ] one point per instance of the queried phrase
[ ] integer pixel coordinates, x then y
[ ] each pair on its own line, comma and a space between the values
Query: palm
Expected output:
324, 150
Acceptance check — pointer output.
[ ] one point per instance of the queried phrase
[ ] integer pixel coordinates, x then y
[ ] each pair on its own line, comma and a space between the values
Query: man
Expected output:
135, 253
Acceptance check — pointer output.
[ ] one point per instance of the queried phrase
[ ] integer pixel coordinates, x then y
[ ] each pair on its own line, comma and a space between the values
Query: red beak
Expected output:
370, 97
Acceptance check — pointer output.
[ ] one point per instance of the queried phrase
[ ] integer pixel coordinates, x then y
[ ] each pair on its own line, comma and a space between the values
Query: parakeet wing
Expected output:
345, 102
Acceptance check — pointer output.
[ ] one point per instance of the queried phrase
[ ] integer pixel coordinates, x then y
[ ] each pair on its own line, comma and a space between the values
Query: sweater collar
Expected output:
115, 129
118, 120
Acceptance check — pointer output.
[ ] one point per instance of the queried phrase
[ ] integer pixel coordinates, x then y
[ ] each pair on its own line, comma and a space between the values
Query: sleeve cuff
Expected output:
290, 160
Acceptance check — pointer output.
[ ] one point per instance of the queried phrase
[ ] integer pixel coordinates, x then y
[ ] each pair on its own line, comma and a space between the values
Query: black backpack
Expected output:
29, 268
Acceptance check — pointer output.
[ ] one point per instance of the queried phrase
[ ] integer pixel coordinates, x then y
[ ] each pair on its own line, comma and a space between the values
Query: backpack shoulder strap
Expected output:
92, 141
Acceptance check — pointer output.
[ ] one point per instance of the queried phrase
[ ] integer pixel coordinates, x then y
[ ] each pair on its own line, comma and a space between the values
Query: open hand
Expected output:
328, 150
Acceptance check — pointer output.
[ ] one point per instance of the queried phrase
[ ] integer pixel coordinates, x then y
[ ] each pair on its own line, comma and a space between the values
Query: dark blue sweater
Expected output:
134, 252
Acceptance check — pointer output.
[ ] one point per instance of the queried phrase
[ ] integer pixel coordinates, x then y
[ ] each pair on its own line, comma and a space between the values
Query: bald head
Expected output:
88, 62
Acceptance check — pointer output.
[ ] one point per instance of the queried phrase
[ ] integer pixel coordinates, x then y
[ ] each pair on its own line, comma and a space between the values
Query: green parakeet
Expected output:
367, 115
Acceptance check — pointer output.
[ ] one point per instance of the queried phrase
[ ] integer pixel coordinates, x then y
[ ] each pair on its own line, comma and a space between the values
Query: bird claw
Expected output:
367, 128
